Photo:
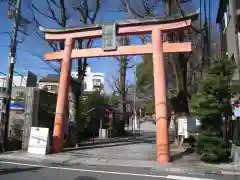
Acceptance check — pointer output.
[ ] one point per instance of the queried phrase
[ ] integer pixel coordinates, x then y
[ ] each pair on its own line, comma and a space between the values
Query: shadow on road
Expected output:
17, 170
178, 156
85, 178
147, 139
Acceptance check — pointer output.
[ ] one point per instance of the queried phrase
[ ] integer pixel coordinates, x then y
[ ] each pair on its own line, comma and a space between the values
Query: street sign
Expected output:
38, 141
17, 105
109, 41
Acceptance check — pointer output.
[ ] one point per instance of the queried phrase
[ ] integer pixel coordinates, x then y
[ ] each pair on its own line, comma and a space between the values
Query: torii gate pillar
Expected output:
62, 99
160, 98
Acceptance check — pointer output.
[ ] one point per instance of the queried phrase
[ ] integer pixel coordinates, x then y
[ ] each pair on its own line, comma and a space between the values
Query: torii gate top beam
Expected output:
124, 27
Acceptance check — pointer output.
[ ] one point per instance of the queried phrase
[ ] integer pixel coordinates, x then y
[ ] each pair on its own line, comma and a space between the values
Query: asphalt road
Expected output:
19, 171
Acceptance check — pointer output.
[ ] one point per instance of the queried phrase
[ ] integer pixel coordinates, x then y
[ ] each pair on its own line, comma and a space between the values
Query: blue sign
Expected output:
17, 105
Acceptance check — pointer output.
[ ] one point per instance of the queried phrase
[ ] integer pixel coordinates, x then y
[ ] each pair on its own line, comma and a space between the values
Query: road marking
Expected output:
105, 172
82, 170
185, 178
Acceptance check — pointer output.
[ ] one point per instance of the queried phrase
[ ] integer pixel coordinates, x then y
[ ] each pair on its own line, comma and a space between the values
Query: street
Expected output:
17, 170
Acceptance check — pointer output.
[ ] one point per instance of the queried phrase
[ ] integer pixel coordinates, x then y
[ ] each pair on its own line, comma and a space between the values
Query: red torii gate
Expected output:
155, 26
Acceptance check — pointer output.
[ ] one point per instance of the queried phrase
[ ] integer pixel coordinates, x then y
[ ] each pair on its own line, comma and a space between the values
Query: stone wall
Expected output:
39, 112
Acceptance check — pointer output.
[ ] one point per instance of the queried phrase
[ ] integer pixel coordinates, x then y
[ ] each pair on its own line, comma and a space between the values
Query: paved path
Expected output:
129, 152
139, 148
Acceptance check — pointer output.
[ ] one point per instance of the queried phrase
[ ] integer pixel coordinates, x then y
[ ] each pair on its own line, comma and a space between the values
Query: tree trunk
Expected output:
122, 88
72, 100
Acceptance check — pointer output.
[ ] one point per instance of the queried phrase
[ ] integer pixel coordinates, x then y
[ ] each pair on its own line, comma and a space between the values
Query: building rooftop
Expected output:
53, 78
50, 78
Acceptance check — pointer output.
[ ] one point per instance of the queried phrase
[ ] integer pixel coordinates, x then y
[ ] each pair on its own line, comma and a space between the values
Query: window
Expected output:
97, 82
85, 85
50, 87
47, 87
96, 89
54, 88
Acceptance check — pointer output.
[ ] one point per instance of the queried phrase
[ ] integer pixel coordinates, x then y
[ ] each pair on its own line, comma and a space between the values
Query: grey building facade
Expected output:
228, 19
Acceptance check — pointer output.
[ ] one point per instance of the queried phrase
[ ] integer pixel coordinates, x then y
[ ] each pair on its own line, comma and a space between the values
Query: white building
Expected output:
28, 80
17, 81
93, 81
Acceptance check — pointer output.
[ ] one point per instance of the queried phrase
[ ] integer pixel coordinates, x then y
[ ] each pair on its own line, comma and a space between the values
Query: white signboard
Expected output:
38, 141
187, 125
182, 126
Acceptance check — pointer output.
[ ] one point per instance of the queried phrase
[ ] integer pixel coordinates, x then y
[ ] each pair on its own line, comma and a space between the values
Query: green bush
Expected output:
211, 104
212, 149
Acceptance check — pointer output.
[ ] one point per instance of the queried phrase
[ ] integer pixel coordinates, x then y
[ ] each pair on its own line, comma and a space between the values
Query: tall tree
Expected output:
120, 85
60, 13
212, 106
151, 8
88, 14
56, 12
180, 63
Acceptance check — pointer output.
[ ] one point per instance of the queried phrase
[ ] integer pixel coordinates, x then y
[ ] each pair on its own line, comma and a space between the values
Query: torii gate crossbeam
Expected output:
154, 26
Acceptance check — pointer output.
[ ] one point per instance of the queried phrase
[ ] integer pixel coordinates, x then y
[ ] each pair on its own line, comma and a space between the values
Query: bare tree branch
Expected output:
43, 14
130, 11
98, 5
52, 12
6, 33
51, 44
21, 31
54, 2
130, 67
116, 84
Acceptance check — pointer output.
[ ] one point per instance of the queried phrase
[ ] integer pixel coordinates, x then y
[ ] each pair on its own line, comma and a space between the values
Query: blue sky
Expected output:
30, 53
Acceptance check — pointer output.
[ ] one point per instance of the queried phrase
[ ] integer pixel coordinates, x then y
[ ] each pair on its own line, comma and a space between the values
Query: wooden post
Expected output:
62, 99
160, 98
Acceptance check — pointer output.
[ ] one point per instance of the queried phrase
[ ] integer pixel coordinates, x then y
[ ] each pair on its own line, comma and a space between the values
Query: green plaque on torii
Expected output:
109, 37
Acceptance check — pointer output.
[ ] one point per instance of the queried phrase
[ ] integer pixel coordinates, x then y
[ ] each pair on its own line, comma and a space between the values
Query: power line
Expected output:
38, 56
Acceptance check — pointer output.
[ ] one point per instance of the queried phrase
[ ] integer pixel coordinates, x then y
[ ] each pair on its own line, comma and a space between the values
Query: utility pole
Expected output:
12, 60
135, 124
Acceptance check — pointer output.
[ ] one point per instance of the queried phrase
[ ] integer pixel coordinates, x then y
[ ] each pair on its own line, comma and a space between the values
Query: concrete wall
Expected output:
235, 153
232, 37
